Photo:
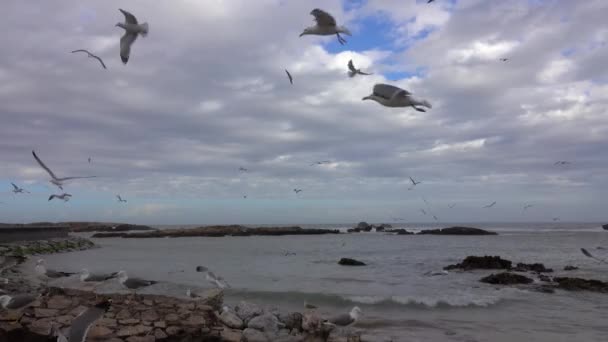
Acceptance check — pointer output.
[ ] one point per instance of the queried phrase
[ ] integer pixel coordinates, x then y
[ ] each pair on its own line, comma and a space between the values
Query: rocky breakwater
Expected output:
50, 246
456, 231
219, 231
109, 228
366, 227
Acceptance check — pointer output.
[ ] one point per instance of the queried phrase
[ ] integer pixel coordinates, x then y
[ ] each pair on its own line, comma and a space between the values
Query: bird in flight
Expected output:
556, 219
562, 162
320, 162
423, 211
54, 179
435, 217
527, 206
490, 205
242, 169
354, 71
132, 30
89, 160
19, 190
297, 190
120, 199
504, 59
428, 2
326, 26
391, 96
414, 183
451, 205
289, 76
65, 197
92, 56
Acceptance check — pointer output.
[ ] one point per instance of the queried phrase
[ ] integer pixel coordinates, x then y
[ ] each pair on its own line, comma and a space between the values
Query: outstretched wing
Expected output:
351, 66
125, 46
323, 18
14, 186
68, 178
289, 75
100, 61
82, 50
129, 18
44, 166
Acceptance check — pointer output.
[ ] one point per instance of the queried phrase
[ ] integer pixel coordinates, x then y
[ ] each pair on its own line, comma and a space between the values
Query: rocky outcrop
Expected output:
219, 231
570, 268
399, 231
350, 262
109, 228
605, 226
456, 231
580, 284
506, 278
484, 262
364, 226
536, 267
23, 248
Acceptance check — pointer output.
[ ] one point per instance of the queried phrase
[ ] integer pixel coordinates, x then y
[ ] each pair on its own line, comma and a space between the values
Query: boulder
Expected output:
570, 268
292, 320
353, 230
484, 262
580, 284
536, 267
506, 278
253, 335
267, 323
350, 262
456, 231
605, 226
364, 226
231, 320
231, 335
247, 311
399, 231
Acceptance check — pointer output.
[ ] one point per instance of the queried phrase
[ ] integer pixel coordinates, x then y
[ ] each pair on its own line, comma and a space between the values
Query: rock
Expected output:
570, 268
543, 277
350, 262
456, 231
399, 231
159, 334
353, 230
605, 226
292, 321
172, 318
231, 335
130, 321
311, 322
66, 320
107, 322
195, 320
211, 297
149, 315
99, 332
363, 226
536, 267
217, 231
247, 311
42, 326
231, 320
124, 314
147, 338
253, 335
506, 278
59, 302
545, 289
133, 330
580, 284
174, 330
267, 323
42, 313
11, 316
484, 262
160, 324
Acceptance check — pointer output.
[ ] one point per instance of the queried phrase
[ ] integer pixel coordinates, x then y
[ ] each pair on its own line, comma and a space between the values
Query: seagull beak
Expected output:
366, 98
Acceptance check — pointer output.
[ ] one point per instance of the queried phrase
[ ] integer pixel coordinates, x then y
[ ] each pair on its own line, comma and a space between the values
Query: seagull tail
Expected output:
351, 74
427, 104
144, 29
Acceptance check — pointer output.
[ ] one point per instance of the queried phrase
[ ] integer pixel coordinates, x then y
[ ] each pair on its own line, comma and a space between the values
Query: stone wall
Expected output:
50, 246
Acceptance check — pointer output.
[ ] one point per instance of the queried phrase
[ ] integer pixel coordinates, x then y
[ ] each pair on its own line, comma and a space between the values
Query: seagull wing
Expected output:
351, 66
323, 18
129, 18
44, 166
100, 61
14, 186
363, 73
387, 91
68, 178
125, 46
82, 323
289, 75
82, 50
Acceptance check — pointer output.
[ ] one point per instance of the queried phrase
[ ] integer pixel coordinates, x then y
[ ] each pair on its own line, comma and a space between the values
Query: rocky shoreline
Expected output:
50, 246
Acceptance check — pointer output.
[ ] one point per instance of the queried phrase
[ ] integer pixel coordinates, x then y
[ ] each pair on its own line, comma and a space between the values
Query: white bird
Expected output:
54, 179
354, 71
92, 56
65, 197
391, 96
120, 199
527, 206
19, 190
17, 301
132, 30
451, 205
86, 276
41, 270
82, 323
243, 169
326, 26
346, 319
133, 283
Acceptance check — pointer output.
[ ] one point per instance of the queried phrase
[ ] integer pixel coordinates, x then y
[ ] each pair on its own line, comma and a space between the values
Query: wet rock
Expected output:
267, 323
350, 262
536, 267
484, 262
253, 335
570, 268
231, 335
364, 226
292, 320
399, 231
580, 284
456, 231
231, 320
99, 332
59, 302
247, 311
543, 277
506, 278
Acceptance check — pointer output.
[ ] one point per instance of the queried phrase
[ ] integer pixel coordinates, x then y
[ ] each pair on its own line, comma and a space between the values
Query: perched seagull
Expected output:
60, 337
528, 206
191, 294
83, 322
490, 205
65, 197
92, 56
289, 75
326, 26
562, 162
88, 277
16, 302
297, 190
243, 169
133, 283
132, 30
345, 319
320, 162
391, 96
120, 199
41, 270
19, 190
54, 180
353, 71
504, 59
451, 205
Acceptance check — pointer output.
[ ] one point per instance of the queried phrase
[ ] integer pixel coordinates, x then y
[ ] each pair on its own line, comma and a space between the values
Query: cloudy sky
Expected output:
206, 93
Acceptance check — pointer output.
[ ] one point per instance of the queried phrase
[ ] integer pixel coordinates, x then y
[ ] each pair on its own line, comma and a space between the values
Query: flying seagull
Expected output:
243, 169
391, 96
289, 75
83, 322
587, 254
414, 183
556, 219
326, 26
435, 218
132, 30
89, 160
120, 199
18, 301
354, 71
41, 270
133, 283
346, 319
504, 59
562, 162
65, 197
423, 211
86, 276
451, 205
19, 190
245, 196
54, 180
428, 2
528, 206
92, 56
490, 205
297, 190
320, 162
212, 278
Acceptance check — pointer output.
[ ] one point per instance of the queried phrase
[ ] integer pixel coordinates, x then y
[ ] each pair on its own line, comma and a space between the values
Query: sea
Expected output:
401, 291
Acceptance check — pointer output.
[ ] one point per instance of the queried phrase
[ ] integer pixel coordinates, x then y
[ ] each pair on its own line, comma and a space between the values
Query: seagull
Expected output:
19, 190
65, 197
89, 160
504, 59
320, 162
212, 278
85, 276
289, 75
353, 71
243, 169
414, 183
556, 219
297, 190
423, 211
451, 205
60, 337
587, 254
41, 270
562, 162
18, 301
132, 30
326, 26
288, 253
133, 283
83, 322
490, 205
428, 2
528, 206
435, 217
391, 96
120, 199
345, 319
56, 181
244, 196
92, 56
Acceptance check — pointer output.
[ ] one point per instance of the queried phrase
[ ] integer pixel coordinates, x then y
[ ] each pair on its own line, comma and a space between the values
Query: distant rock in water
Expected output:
219, 231
79, 228
350, 262
399, 231
353, 230
506, 278
484, 262
605, 226
364, 226
579, 284
456, 231
570, 268
536, 267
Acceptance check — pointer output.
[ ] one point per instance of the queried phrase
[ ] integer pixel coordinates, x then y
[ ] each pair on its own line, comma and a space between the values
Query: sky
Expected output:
205, 92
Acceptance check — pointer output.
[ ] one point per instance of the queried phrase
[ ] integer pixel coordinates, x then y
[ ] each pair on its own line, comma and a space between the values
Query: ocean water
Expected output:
399, 301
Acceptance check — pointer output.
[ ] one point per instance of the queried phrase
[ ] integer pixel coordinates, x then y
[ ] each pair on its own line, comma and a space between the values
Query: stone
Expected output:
148, 302
99, 332
43, 313
363, 226
506, 278
231, 335
124, 314
456, 231
130, 321
186, 306
172, 318
536, 267
59, 302
133, 330
64, 320
545, 278
160, 324
174, 330
231, 320
149, 315
570, 268
42, 326
311, 322
247, 311
267, 323
12, 315
107, 322
195, 320
292, 320
580, 284
147, 338
484, 262
159, 334
350, 262
253, 335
